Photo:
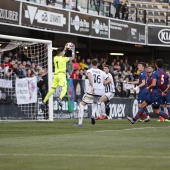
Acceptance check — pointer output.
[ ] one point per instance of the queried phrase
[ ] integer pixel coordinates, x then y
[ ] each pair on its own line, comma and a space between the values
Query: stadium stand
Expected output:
154, 9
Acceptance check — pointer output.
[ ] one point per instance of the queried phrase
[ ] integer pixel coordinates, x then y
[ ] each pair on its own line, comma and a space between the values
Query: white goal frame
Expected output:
50, 75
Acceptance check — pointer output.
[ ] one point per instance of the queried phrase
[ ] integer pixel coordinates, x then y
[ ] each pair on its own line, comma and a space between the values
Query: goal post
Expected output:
38, 50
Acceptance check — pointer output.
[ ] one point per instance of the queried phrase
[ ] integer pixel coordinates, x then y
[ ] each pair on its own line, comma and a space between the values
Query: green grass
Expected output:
107, 145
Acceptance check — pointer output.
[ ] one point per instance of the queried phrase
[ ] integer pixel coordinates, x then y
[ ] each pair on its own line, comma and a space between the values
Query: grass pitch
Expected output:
107, 145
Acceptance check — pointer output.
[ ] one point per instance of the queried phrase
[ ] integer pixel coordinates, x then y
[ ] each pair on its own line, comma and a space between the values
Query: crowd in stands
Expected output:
20, 64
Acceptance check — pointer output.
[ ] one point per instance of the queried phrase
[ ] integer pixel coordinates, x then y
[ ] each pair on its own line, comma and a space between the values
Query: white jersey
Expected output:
110, 87
98, 77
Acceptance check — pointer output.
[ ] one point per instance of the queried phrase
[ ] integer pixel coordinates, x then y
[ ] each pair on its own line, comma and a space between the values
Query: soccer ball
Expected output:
69, 46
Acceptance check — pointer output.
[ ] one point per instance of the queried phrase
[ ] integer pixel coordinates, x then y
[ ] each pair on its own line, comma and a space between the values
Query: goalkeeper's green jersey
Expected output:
60, 64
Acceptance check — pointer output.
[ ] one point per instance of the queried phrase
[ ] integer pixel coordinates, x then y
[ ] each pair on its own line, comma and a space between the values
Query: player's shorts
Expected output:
154, 99
142, 95
59, 80
109, 95
90, 99
166, 99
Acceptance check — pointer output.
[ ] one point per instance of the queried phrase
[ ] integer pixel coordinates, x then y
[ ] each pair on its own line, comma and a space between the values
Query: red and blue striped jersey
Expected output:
161, 81
143, 76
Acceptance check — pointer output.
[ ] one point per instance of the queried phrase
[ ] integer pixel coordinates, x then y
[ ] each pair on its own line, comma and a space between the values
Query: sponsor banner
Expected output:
26, 90
80, 23
44, 17
9, 11
128, 32
99, 27
158, 35
6, 83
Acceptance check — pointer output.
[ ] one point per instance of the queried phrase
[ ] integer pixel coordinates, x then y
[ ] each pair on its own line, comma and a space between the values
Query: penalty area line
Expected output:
141, 128
84, 155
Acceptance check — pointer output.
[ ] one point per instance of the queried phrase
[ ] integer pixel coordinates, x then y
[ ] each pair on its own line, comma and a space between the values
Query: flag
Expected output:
70, 94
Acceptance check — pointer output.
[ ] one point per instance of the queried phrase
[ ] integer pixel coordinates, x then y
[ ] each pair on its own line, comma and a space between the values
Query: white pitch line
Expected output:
84, 155
141, 128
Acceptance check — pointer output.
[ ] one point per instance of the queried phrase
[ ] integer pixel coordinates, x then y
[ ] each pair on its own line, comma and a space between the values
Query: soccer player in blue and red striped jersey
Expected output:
141, 84
165, 100
156, 89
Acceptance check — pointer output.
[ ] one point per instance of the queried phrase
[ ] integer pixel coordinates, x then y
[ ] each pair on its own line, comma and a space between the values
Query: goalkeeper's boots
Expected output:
78, 125
43, 106
59, 101
131, 120
92, 120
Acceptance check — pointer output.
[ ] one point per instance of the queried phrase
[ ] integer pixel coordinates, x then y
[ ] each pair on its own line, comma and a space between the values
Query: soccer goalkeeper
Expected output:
59, 83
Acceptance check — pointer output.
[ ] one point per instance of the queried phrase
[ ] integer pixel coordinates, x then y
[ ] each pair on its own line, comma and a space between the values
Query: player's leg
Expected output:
86, 99
48, 95
141, 98
141, 110
107, 97
156, 108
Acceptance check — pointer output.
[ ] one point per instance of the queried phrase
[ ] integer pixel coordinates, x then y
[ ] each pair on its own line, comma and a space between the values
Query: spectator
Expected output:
20, 71
122, 64
24, 68
125, 10
131, 78
135, 66
81, 75
117, 66
117, 5
88, 63
125, 72
82, 65
75, 64
69, 68
75, 74
126, 63
30, 73
111, 68
33, 69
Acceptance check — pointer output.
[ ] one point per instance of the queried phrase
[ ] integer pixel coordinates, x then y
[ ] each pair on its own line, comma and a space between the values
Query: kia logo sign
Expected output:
164, 36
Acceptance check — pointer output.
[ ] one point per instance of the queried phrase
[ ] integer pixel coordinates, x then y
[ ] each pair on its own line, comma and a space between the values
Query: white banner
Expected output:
26, 90
6, 83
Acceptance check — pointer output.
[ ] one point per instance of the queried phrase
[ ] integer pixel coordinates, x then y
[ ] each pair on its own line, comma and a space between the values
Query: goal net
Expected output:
24, 64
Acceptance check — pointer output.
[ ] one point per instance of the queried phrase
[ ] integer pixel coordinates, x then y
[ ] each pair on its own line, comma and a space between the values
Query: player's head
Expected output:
141, 66
60, 51
150, 69
159, 63
94, 63
106, 68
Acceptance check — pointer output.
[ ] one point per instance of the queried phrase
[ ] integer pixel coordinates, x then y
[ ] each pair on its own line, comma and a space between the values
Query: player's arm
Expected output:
89, 76
133, 82
107, 81
153, 84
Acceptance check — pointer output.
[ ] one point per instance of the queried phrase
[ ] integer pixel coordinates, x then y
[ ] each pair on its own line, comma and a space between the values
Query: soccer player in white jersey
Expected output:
97, 78
109, 94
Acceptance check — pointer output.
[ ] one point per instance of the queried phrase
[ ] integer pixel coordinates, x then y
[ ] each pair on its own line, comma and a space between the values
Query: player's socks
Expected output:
103, 108
139, 113
94, 109
164, 115
81, 113
143, 116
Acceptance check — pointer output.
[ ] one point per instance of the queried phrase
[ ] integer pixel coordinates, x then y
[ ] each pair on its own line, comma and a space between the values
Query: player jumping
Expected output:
59, 83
